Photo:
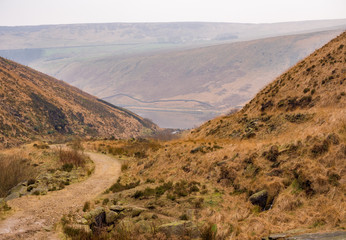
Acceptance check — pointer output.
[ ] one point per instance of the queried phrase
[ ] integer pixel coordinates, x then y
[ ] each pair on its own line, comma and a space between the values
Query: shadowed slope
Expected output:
34, 104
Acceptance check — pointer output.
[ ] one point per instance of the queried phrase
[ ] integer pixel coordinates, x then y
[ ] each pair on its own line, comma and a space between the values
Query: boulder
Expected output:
111, 217
136, 212
259, 198
98, 216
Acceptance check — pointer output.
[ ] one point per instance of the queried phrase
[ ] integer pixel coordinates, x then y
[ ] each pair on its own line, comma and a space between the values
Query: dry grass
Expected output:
68, 157
13, 170
138, 148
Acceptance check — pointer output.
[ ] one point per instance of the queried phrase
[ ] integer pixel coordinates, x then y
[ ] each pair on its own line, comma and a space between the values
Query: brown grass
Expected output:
13, 170
74, 157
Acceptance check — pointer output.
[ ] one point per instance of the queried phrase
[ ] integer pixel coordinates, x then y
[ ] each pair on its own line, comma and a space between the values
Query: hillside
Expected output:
276, 166
34, 105
299, 97
189, 86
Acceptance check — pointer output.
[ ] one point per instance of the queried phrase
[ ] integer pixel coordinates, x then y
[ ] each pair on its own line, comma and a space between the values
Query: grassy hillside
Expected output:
276, 166
34, 105
191, 86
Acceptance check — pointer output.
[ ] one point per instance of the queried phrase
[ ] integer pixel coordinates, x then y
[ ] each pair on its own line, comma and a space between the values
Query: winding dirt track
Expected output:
36, 216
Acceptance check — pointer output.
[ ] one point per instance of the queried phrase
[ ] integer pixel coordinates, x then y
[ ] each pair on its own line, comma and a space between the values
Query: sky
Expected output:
42, 12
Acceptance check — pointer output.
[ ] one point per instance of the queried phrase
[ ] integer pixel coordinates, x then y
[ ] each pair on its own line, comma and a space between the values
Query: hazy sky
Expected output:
36, 12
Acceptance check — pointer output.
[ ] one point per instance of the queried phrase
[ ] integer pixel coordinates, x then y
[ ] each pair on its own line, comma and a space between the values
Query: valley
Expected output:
173, 131
143, 67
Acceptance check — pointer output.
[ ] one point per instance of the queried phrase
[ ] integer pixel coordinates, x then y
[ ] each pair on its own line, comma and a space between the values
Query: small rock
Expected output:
278, 236
12, 196
48, 228
82, 221
117, 208
259, 198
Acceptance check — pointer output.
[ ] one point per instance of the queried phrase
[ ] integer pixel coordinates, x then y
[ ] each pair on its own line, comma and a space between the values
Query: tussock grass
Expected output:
75, 157
13, 170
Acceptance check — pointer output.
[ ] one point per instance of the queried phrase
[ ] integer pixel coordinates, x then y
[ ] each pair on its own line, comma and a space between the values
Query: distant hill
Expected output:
185, 88
34, 105
72, 35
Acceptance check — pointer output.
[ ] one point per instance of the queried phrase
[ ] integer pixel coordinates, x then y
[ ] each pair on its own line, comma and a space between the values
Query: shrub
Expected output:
149, 180
67, 167
319, 149
180, 189
272, 154
297, 118
86, 206
160, 190
124, 167
73, 157
41, 145
105, 201
118, 187
306, 90
77, 145
138, 194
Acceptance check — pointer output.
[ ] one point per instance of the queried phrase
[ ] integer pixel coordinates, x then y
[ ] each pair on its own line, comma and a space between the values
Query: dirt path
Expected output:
35, 216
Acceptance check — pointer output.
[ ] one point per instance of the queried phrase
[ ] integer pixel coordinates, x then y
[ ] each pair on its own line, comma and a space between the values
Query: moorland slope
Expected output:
34, 105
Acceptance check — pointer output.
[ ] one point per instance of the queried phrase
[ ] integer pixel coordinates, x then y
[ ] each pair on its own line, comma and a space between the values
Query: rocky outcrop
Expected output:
46, 182
259, 198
